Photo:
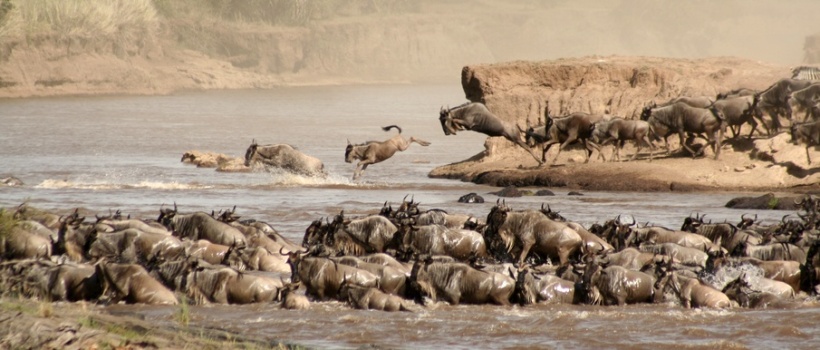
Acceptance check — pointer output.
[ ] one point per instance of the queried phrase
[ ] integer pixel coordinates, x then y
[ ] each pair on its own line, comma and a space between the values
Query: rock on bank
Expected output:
520, 91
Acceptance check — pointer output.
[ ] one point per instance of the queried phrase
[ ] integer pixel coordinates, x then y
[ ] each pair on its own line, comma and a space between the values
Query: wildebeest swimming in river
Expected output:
373, 152
286, 157
476, 117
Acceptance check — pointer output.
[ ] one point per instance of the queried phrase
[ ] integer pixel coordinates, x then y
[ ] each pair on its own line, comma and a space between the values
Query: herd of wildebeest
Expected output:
403, 258
686, 116
689, 117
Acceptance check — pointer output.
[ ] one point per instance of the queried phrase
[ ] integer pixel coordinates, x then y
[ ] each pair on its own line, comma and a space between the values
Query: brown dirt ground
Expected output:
735, 170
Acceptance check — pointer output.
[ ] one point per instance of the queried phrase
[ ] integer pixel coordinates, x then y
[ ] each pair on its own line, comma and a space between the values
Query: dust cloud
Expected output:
771, 31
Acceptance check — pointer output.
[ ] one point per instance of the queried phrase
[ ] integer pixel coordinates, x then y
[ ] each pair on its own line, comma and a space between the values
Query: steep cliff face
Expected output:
520, 91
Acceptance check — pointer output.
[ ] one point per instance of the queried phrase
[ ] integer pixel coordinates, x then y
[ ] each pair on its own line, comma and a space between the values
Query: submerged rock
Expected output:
11, 181
471, 198
766, 201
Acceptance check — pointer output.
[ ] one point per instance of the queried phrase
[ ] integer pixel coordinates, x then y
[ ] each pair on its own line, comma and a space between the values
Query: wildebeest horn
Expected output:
348, 142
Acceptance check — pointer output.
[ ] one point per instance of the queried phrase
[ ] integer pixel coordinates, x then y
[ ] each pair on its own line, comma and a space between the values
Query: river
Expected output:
123, 153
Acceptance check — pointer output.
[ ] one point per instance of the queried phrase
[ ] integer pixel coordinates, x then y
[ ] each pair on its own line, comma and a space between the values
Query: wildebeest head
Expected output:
646, 112
350, 156
314, 234
746, 222
249, 153
166, 217
524, 286
552, 215
294, 258
446, 120
691, 224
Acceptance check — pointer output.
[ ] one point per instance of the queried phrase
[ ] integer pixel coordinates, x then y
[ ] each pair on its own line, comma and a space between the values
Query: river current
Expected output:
123, 153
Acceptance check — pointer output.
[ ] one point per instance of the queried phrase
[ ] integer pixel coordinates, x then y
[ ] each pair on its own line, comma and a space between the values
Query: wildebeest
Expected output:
370, 234
132, 283
284, 156
774, 99
548, 289
741, 291
616, 285
373, 152
369, 298
19, 243
457, 283
200, 225
682, 118
224, 285
441, 217
531, 231
694, 101
73, 282
808, 134
738, 111
391, 280
804, 100
693, 293
565, 130
440, 240
291, 300
619, 130
322, 277
476, 117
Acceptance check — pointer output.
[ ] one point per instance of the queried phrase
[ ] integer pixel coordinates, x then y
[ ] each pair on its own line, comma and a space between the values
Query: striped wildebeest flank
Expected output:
284, 156
476, 117
683, 118
806, 73
741, 110
373, 152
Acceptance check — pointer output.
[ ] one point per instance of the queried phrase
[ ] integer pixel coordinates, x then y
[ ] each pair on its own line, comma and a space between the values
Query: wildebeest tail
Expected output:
387, 128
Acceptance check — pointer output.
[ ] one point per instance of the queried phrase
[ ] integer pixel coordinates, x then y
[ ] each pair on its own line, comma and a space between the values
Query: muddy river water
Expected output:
123, 152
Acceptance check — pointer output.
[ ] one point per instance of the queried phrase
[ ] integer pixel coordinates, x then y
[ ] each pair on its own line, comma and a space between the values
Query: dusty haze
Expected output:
193, 45
771, 31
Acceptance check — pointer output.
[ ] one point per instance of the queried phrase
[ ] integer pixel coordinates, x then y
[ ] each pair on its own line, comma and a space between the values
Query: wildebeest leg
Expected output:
648, 142
570, 139
716, 141
359, 170
419, 141
525, 147
808, 158
525, 250
684, 144
590, 146
547, 148
753, 123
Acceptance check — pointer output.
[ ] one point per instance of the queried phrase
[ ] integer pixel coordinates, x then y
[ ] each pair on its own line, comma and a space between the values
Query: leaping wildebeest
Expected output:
476, 117
373, 152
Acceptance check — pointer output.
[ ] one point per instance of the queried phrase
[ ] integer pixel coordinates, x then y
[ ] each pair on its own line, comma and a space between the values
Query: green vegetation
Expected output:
7, 222
183, 315
773, 201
